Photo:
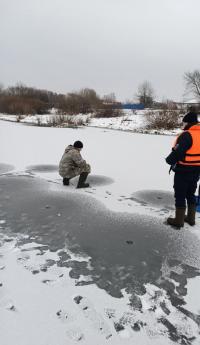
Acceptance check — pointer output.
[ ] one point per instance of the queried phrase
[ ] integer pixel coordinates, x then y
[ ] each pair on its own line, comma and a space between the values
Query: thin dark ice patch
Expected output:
126, 251
42, 168
157, 198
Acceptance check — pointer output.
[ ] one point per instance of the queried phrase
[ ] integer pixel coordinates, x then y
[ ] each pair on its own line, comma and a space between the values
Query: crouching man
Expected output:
72, 164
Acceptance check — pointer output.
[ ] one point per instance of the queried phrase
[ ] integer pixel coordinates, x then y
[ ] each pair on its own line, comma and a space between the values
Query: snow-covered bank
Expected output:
134, 122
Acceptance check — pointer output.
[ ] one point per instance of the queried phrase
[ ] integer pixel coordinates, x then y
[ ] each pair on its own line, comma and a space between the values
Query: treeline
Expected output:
23, 100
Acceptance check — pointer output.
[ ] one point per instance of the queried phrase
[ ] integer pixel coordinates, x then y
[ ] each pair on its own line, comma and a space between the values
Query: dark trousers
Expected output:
185, 185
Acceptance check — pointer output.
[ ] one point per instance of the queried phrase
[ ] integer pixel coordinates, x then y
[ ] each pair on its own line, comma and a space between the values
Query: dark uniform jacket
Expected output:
184, 143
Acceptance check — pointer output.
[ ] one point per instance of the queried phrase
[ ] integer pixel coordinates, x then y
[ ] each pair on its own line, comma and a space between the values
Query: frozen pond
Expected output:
106, 250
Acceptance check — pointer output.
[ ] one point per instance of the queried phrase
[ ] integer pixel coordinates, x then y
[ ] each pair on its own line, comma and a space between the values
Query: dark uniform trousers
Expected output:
185, 185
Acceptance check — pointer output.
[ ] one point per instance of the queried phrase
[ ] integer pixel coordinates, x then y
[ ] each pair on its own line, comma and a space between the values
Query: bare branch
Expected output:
192, 80
145, 94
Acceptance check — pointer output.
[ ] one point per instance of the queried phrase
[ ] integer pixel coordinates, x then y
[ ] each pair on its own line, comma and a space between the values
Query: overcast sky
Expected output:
108, 45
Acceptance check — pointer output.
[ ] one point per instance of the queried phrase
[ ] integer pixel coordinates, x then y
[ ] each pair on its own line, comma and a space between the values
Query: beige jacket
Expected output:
72, 164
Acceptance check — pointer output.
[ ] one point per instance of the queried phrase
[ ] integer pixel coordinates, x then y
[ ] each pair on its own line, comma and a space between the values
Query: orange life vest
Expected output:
192, 156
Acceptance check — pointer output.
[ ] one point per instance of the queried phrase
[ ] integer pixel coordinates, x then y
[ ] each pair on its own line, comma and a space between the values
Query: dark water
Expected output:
126, 251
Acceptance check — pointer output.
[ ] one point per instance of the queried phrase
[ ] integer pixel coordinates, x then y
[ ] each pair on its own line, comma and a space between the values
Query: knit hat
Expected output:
78, 144
190, 117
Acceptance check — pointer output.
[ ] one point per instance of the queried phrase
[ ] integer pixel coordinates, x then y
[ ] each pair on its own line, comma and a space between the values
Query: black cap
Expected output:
78, 144
190, 118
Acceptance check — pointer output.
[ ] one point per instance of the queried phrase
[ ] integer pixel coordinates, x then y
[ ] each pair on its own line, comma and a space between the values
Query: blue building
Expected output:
132, 106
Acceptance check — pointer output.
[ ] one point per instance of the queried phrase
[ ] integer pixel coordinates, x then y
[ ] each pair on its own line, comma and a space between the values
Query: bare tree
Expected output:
192, 80
1, 88
109, 98
83, 101
145, 94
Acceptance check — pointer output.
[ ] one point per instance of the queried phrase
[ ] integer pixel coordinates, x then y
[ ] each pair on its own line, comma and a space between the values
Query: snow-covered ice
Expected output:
43, 302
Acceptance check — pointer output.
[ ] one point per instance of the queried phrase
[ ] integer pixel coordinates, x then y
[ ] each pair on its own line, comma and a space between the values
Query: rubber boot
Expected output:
178, 221
66, 181
190, 218
82, 179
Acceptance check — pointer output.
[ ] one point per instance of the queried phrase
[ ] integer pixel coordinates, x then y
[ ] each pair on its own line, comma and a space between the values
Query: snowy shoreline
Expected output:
129, 122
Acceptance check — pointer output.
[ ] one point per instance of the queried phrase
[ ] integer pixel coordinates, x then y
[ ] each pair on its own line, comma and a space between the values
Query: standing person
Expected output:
72, 164
185, 162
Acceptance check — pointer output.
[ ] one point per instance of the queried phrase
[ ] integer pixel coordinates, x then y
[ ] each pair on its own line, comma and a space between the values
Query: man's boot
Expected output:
178, 221
82, 179
66, 181
190, 218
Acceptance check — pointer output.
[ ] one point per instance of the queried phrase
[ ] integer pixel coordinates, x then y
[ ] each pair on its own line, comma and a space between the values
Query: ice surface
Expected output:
38, 297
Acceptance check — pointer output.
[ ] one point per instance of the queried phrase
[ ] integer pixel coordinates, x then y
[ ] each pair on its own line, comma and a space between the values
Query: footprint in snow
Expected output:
64, 316
89, 312
47, 281
75, 334
5, 301
109, 193
23, 258
72, 333
110, 313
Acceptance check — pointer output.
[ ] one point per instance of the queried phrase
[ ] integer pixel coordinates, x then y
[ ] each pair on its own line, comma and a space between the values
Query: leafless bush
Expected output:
71, 122
10, 104
56, 120
162, 119
39, 122
84, 101
168, 105
20, 99
67, 121
22, 91
20, 117
108, 110
87, 120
